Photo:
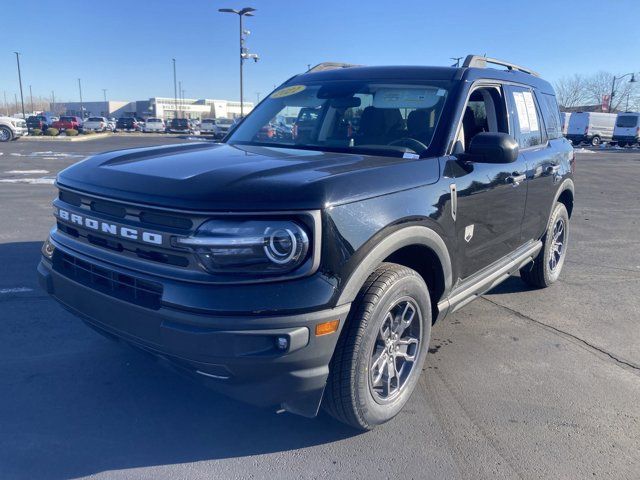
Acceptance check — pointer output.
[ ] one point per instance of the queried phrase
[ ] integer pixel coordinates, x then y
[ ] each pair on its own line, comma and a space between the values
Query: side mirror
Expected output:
492, 147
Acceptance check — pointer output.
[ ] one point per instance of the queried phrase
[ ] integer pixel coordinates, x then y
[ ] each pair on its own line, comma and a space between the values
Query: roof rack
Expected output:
478, 61
321, 67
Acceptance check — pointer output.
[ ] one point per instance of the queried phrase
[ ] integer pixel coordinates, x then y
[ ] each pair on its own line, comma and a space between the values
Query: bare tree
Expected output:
571, 91
599, 84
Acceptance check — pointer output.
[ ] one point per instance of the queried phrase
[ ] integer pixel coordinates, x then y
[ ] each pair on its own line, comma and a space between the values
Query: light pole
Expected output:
175, 88
244, 52
106, 105
6, 105
81, 104
31, 98
53, 102
457, 60
613, 86
20, 81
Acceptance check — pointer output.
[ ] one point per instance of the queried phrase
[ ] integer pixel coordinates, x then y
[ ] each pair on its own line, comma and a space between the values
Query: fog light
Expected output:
282, 343
48, 249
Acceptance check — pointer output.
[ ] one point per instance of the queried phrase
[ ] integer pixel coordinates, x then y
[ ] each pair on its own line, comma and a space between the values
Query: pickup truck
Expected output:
305, 272
12, 128
68, 123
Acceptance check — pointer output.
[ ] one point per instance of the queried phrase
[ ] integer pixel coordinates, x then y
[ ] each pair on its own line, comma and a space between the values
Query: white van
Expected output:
591, 127
627, 129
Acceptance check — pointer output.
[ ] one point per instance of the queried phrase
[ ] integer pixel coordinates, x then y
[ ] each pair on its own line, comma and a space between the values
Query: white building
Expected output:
166, 108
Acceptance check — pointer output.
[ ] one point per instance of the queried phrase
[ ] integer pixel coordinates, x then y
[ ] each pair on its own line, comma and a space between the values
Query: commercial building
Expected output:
161, 107
166, 108
110, 108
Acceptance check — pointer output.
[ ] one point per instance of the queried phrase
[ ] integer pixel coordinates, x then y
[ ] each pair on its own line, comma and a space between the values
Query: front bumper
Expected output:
626, 139
237, 355
20, 131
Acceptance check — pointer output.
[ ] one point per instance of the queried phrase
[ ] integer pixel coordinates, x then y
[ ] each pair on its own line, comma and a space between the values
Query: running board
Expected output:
482, 282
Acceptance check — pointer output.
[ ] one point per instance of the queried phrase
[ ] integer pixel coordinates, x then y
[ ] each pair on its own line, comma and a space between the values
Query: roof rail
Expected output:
321, 67
478, 61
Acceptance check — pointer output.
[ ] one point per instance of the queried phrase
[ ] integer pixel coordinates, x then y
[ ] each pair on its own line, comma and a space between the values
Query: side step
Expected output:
484, 281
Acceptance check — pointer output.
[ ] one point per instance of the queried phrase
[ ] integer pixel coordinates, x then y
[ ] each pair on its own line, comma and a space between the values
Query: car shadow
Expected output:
513, 284
77, 404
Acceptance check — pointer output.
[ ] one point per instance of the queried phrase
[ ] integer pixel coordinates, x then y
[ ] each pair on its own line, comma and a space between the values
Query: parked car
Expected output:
127, 124
96, 124
154, 125
591, 127
627, 129
111, 124
217, 127
68, 122
12, 128
182, 125
306, 123
41, 122
306, 274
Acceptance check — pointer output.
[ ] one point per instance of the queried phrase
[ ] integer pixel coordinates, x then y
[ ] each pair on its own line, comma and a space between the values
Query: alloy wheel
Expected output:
395, 351
557, 244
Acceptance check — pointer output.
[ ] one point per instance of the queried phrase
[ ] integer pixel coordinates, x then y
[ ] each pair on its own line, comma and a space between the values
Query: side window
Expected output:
551, 115
525, 117
485, 112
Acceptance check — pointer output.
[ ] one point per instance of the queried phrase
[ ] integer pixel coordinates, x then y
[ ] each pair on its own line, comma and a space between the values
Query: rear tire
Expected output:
379, 356
595, 141
546, 267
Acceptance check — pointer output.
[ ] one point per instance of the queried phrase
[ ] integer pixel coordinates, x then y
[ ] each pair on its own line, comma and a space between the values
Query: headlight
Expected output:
249, 246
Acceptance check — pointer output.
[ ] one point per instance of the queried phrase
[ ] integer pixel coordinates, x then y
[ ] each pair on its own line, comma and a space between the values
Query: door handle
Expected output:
516, 178
552, 169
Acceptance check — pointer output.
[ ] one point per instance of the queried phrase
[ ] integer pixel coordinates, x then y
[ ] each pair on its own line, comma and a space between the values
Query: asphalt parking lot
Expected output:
519, 384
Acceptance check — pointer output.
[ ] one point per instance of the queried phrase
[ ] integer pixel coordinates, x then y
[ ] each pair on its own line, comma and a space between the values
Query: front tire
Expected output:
547, 266
5, 134
380, 353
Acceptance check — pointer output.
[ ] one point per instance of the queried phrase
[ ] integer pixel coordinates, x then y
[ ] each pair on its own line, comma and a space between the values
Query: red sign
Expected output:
606, 103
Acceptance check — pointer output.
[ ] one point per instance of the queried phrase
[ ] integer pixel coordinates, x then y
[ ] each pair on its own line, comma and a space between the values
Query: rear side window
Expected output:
551, 115
525, 117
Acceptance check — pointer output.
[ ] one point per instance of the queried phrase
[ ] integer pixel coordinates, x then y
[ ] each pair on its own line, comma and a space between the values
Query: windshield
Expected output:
208, 120
627, 121
376, 117
96, 119
67, 119
224, 121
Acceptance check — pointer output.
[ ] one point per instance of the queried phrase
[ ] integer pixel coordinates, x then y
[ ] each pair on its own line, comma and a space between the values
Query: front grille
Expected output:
139, 217
124, 287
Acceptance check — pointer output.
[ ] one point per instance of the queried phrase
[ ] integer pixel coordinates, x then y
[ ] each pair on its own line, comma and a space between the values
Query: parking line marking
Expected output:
31, 181
4, 291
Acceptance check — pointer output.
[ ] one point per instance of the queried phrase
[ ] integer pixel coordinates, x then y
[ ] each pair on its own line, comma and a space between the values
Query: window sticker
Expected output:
521, 108
288, 91
531, 111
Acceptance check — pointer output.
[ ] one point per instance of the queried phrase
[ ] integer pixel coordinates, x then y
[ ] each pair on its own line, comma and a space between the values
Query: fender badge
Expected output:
468, 233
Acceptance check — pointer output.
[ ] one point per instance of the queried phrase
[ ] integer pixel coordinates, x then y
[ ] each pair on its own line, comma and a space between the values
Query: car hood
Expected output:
221, 177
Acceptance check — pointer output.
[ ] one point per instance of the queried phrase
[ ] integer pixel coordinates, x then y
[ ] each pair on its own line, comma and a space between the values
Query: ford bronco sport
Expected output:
307, 271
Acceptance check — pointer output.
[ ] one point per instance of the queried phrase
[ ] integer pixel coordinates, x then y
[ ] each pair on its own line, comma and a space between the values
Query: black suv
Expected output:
127, 124
307, 271
40, 122
181, 125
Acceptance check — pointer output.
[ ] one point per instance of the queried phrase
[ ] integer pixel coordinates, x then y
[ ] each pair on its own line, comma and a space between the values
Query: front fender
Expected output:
410, 235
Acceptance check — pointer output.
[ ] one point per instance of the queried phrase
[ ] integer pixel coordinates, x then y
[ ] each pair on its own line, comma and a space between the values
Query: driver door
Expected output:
491, 197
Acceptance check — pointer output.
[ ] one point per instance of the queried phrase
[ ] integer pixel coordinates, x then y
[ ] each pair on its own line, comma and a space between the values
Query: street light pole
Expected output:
6, 105
20, 81
244, 54
31, 98
81, 103
613, 86
106, 105
175, 88
53, 102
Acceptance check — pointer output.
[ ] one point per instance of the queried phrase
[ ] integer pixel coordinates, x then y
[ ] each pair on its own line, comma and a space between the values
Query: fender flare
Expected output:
567, 184
412, 235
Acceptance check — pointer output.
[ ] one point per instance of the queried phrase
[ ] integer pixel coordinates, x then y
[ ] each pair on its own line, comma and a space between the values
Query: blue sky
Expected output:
127, 46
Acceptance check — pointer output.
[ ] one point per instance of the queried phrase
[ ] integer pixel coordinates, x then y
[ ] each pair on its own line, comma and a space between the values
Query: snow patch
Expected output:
32, 172
583, 150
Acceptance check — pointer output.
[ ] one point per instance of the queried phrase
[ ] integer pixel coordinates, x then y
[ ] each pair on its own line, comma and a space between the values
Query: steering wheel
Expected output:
411, 143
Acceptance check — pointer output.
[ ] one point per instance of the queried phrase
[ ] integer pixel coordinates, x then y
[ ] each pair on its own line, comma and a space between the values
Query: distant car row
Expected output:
595, 128
216, 127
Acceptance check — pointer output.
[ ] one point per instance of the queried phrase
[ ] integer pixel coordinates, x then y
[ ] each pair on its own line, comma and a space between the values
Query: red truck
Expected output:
68, 123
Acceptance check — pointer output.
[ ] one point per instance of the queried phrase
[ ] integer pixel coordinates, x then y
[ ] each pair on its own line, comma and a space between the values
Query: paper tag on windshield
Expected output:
412, 156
